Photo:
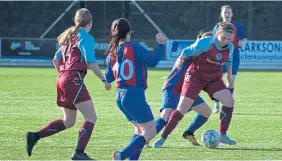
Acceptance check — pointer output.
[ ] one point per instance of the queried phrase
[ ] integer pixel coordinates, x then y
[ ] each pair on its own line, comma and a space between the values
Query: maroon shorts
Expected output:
193, 84
71, 89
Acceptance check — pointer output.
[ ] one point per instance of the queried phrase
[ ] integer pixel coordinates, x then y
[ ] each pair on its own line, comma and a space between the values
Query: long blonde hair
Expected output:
82, 18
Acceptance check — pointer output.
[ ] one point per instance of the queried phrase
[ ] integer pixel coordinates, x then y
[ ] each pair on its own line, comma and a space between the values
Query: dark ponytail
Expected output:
119, 29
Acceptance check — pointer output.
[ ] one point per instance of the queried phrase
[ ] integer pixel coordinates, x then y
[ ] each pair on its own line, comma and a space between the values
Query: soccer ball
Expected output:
210, 138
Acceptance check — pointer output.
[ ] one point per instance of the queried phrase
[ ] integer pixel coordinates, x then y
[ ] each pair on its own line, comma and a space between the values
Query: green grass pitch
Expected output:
28, 101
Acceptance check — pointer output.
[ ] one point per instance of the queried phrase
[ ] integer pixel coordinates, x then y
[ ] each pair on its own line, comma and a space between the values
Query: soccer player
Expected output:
127, 64
71, 61
171, 91
208, 55
239, 40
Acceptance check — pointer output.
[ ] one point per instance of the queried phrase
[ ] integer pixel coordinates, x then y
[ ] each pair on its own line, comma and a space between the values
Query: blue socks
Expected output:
136, 145
197, 122
160, 124
137, 154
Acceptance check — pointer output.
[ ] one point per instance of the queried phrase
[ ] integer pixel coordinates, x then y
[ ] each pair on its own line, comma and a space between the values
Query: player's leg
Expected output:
87, 110
169, 103
166, 112
134, 103
137, 132
55, 126
190, 91
199, 120
137, 129
216, 107
217, 90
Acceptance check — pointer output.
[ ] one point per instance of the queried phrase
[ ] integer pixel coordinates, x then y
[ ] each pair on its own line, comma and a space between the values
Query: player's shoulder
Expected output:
205, 41
83, 34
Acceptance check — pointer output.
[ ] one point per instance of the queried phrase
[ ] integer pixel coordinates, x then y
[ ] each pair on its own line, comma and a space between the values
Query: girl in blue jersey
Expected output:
208, 55
170, 97
127, 64
76, 54
239, 40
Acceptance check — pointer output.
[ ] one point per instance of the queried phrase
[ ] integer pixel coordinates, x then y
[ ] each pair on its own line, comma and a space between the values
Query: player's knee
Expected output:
91, 118
229, 102
166, 113
69, 122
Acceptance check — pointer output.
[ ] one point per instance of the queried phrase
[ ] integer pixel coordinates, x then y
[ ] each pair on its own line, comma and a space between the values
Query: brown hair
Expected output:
223, 7
82, 18
225, 27
119, 29
202, 34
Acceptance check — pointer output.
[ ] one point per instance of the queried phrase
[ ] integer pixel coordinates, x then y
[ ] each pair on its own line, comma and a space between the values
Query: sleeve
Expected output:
215, 29
241, 31
58, 55
198, 47
146, 58
109, 74
231, 50
86, 45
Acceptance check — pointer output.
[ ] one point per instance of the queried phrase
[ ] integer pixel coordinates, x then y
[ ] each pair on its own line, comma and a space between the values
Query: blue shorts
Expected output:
132, 102
235, 64
170, 100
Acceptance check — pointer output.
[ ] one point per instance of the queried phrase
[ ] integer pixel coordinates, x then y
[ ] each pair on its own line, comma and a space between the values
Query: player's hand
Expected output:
161, 38
108, 86
230, 80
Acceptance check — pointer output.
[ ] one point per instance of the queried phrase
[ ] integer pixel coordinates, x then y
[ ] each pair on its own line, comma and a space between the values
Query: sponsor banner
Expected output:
28, 48
254, 55
46, 48
261, 55
174, 48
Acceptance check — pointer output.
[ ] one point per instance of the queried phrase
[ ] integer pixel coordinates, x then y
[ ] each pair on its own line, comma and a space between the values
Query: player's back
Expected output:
127, 65
129, 69
175, 79
72, 57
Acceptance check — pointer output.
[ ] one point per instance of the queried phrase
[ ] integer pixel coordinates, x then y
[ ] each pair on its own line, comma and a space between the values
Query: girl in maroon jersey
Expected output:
73, 58
208, 55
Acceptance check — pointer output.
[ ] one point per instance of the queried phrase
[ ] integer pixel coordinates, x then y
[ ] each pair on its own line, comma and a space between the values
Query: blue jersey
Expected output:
239, 33
175, 79
129, 66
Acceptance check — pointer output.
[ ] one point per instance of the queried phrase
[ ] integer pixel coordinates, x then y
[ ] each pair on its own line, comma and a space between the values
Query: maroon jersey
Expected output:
208, 58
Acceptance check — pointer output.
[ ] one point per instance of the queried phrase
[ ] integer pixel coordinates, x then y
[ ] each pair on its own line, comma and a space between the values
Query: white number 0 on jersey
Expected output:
121, 70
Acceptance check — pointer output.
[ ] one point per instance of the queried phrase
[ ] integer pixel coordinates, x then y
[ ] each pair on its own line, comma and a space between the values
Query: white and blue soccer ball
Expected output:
211, 138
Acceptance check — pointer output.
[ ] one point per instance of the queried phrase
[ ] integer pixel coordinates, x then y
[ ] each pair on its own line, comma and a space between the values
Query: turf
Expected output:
28, 102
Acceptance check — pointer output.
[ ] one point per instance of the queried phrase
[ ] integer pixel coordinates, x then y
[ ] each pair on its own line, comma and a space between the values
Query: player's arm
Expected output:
242, 35
196, 48
147, 58
86, 45
109, 74
57, 59
229, 64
